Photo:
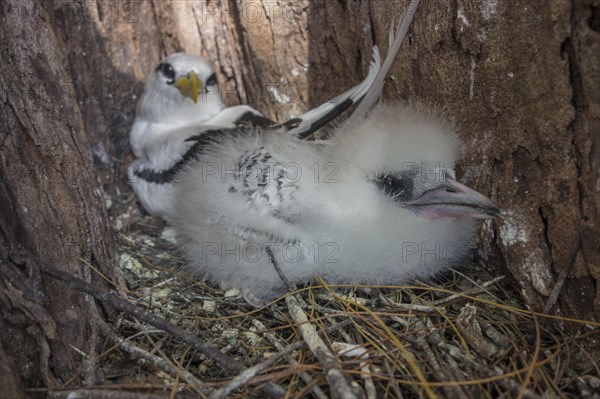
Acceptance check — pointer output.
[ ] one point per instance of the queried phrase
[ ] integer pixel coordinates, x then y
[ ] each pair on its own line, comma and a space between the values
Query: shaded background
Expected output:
521, 80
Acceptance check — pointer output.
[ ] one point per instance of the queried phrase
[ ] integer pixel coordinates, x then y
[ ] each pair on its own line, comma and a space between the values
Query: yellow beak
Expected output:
189, 86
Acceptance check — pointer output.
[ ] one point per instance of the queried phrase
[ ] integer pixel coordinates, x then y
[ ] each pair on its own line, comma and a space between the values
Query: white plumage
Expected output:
171, 101
173, 113
180, 95
376, 204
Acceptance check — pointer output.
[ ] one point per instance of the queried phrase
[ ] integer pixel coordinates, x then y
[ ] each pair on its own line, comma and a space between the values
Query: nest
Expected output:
468, 335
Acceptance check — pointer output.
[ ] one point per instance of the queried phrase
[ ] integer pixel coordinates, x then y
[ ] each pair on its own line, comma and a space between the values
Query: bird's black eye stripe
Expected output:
167, 71
399, 187
212, 80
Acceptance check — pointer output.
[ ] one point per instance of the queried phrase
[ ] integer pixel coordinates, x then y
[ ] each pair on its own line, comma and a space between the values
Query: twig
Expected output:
562, 277
237, 381
288, 284
515, 387
469, 327
318, 392
392, 379
91, 393
471, 291
449, 391
298, 345
124, 306
351, 349
412, 307
509, 384
256, 369
156, 361
332, 371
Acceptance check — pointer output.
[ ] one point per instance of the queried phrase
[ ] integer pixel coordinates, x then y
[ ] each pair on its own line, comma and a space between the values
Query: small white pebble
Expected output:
209, 306
169, 234
233, 292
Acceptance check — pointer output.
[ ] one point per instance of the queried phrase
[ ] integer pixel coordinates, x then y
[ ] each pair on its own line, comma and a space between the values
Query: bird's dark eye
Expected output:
167, 71
212, 80
399, 187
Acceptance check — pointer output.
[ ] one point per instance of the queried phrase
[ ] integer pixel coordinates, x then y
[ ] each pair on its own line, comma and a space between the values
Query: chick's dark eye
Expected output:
398, 187
167, 71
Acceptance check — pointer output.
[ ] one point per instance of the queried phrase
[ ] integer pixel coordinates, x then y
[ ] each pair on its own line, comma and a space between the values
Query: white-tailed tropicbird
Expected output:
378, 203
181, 102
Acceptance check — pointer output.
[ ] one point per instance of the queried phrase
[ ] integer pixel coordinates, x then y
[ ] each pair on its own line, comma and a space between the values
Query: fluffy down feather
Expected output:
322, 207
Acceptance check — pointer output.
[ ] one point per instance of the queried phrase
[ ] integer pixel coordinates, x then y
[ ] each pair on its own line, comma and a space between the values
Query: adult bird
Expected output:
181, 102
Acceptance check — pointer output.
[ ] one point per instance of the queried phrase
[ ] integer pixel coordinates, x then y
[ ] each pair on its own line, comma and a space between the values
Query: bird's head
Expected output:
407, 156
182, 88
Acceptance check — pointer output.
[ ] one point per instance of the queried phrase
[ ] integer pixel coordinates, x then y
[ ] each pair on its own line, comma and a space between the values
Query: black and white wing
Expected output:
311, 121
375, 89
303, 125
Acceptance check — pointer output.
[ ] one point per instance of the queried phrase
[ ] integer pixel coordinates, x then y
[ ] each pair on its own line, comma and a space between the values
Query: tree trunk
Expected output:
519, 80
51, 208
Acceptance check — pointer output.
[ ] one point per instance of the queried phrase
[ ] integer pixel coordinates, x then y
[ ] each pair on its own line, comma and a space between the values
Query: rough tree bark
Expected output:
520, 80
51, 208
